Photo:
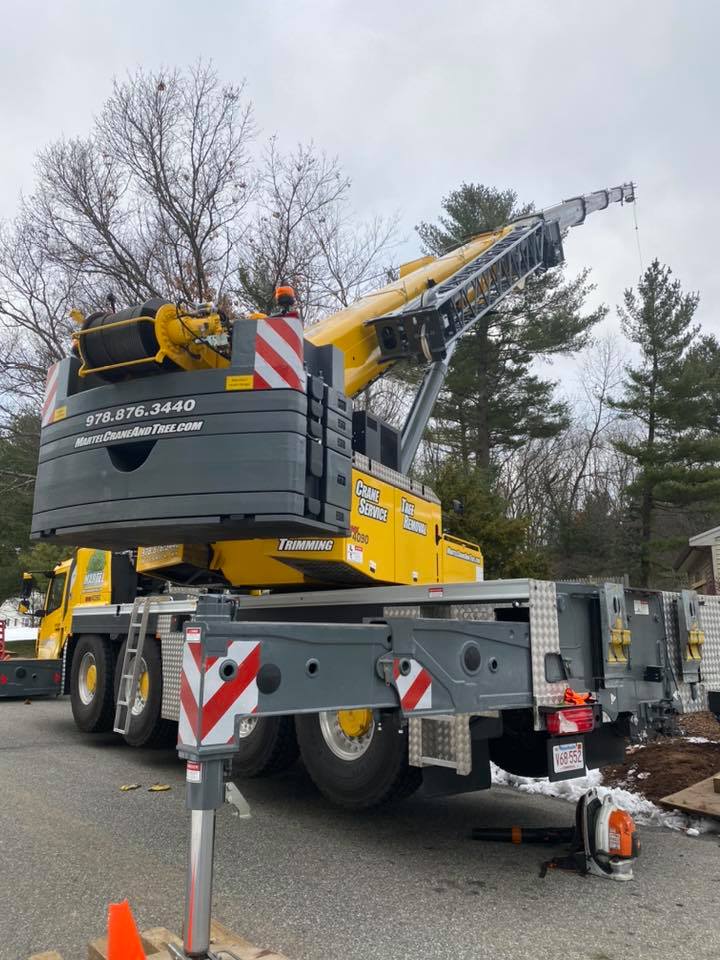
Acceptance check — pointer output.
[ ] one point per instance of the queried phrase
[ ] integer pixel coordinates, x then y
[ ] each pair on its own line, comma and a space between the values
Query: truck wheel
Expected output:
92, 684
354, 762
267, 745
147, 727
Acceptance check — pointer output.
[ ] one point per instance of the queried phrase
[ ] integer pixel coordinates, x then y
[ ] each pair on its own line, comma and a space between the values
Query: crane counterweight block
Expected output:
259, 447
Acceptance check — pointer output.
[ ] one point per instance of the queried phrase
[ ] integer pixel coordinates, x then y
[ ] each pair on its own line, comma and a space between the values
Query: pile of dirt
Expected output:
703, 724
665, 766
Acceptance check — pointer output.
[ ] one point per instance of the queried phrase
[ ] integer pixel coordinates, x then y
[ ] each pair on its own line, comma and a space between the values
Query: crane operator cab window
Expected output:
55, 592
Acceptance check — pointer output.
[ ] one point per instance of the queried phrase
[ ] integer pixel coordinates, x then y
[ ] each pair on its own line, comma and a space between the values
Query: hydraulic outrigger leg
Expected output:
205, 743
205, 795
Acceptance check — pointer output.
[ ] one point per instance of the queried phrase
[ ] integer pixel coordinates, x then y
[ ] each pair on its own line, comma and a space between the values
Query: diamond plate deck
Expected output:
171, 649
544, 639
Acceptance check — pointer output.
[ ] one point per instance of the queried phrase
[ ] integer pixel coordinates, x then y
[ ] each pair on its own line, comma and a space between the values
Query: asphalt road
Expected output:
316, 883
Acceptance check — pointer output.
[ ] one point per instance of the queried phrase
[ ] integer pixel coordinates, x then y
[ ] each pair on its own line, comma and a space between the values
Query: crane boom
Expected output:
349, 329
422, 313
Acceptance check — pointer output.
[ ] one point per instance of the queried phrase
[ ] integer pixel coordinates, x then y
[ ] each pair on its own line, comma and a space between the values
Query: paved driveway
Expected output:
403, 883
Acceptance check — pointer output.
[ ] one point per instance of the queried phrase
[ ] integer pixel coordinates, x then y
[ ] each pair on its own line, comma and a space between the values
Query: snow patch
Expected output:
20, 634
642, 811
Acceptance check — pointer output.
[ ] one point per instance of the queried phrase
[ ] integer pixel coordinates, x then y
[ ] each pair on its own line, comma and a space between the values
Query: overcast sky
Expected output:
550, 98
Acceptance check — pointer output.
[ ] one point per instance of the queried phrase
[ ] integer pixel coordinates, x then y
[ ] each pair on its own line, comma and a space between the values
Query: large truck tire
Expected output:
353, 761
147, 727
92, 683
267, 745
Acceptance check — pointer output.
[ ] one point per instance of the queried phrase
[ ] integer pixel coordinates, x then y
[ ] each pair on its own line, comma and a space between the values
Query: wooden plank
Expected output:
97, 949
700, 798
223, 939
160, 937
156, 939
155, 943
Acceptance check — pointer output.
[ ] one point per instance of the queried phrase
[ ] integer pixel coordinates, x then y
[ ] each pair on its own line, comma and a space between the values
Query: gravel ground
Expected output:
314, 882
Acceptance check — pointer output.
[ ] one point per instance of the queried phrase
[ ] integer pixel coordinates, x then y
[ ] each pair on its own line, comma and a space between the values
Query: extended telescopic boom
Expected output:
425, 311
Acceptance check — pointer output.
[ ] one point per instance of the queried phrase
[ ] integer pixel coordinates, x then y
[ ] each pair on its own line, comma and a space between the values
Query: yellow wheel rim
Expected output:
144, 685
91, 678
354, 723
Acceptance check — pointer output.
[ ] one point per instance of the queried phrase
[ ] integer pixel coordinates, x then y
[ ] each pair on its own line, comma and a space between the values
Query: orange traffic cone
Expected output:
123, 937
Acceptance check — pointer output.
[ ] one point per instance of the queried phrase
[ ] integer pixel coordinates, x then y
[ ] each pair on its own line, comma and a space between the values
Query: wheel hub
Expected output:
246, 727
144, 685
334, 727
87, 678
143, 688
355, 723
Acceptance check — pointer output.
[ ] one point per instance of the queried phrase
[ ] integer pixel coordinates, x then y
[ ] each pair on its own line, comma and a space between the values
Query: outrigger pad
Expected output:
190, 457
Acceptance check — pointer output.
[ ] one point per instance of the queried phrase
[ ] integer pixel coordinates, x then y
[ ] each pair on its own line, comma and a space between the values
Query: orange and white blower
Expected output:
603, 842
610, 843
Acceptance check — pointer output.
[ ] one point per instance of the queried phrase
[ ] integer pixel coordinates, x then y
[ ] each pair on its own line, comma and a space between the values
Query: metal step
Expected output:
442, 741
130, 670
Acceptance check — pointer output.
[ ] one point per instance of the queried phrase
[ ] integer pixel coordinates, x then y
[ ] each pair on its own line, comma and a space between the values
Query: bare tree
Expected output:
152, 202
166, 198
564, 482
305, 233
35, 302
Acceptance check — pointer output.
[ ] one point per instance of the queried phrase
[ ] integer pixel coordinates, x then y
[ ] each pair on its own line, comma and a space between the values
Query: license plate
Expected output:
568, 757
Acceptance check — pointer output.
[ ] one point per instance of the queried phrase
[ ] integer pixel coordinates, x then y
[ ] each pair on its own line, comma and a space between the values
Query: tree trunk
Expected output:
646, 514
482, 428
647, 503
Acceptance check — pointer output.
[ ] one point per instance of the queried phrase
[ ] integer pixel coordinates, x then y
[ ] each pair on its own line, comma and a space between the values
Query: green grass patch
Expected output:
21, 649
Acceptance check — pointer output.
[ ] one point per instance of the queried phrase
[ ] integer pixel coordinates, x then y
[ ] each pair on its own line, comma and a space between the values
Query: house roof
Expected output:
706, 539
701, 541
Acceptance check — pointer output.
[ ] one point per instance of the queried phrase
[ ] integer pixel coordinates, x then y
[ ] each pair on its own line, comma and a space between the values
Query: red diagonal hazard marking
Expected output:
189, 703
419, 685
229, 692
288, 333
48, 403
278, 363
194, 647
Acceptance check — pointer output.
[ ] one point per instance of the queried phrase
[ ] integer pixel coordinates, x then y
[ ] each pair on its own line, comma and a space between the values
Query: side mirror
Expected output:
28, 585
40, 612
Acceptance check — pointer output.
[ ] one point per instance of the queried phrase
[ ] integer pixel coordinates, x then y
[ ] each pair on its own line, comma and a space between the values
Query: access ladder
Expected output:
132, 661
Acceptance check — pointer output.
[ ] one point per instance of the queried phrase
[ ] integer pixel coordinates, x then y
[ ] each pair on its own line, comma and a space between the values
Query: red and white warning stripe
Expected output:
222, 700
415, 687
279, 354
48, 404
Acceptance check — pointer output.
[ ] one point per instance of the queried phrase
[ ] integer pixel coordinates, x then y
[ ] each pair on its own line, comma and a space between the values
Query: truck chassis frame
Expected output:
485, 648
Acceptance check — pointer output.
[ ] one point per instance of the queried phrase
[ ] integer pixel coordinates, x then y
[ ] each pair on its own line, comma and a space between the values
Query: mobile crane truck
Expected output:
225, 458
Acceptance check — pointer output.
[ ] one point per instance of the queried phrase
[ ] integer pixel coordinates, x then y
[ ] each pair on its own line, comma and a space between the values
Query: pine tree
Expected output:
492, 400
484, 520
19, 444
673, 395
18, 463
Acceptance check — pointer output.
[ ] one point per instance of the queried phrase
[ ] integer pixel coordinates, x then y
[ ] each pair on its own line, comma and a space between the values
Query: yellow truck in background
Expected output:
88, 577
